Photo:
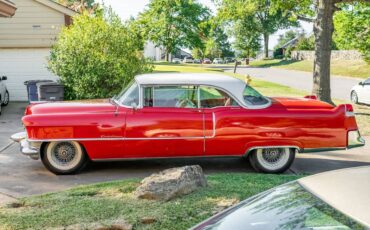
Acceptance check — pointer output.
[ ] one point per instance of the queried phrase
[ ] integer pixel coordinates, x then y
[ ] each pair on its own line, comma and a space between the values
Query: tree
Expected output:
352, 29
97, 56
321, 13
246, 40
173, 24
267, 20
80, 5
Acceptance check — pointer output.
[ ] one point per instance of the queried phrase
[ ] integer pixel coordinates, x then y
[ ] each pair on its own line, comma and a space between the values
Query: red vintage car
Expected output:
185, 115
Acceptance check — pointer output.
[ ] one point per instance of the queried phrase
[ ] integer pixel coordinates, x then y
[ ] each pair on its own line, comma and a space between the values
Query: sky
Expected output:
127, 8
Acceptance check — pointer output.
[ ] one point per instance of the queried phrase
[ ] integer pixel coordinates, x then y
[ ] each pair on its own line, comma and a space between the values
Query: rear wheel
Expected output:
63, 158
272, 160
354, 97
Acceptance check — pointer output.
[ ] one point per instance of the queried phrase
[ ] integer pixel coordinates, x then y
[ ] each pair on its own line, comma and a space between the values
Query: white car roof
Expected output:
231, 85
347, 190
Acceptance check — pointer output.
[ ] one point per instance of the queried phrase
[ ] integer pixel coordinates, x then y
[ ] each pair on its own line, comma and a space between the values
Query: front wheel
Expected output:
63, 158
272, 160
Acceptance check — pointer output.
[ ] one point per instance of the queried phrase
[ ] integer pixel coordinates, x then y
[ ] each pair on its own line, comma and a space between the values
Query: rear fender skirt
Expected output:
273, 144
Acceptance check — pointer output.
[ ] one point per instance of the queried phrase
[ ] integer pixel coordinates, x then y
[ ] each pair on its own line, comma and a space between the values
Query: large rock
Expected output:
171, 183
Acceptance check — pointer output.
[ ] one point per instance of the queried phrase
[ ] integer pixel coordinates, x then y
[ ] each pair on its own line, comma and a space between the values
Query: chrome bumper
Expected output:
355, 139
27, 149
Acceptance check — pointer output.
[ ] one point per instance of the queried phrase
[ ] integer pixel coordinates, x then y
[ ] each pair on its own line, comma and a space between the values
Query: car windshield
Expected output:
129, 95
289, 206
253, 97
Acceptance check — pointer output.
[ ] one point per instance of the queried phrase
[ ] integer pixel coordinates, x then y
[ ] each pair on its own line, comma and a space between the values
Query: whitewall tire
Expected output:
65, 157
272, 160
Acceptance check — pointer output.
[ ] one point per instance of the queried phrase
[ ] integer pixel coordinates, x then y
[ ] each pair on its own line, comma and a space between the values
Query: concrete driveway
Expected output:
341, 86
21, 176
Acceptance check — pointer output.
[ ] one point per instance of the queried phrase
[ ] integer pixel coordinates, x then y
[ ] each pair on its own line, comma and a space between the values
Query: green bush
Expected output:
97, 56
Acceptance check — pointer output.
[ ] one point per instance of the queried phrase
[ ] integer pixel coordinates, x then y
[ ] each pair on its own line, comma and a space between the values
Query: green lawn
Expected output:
359, 69
111, 201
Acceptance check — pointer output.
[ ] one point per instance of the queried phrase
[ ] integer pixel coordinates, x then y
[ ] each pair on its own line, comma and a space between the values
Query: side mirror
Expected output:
361, 83
134, 106
4, 78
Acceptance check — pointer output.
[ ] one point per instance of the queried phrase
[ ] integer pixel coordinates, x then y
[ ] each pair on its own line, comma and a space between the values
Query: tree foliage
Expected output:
262, 14
352, 29
97, 56
246, 39
174, 23
89, 6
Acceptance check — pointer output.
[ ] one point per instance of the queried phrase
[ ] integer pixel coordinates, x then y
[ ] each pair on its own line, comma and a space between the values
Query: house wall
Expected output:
33, 25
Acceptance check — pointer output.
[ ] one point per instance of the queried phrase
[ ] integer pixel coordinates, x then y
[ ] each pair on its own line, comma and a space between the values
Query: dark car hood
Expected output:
84, 106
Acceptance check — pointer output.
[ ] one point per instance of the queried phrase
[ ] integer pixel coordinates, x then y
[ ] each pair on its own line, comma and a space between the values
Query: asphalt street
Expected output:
340, 86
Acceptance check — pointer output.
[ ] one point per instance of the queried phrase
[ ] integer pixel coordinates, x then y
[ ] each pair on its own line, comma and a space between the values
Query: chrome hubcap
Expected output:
272, 155
63, 153
354, 97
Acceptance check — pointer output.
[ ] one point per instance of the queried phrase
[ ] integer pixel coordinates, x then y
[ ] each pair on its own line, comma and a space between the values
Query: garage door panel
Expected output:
21, 65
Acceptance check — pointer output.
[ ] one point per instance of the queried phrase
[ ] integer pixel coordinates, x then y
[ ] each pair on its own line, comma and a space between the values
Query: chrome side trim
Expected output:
276, 146
321, 149
170, 157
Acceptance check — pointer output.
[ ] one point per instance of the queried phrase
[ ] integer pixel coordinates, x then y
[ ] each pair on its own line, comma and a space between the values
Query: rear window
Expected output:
253, 97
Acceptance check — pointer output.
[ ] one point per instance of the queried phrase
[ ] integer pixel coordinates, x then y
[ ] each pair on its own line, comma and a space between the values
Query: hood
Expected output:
300, 103
84, 106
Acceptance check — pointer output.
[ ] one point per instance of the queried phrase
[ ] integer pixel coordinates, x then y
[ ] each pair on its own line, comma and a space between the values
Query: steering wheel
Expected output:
186, 103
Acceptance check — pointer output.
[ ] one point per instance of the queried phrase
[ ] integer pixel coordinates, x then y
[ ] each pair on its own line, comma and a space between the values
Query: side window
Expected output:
211, 97
171, 96
131, 96
367, 82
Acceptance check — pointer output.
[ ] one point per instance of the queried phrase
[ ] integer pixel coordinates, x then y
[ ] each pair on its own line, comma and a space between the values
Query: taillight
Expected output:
311, 97
349, 110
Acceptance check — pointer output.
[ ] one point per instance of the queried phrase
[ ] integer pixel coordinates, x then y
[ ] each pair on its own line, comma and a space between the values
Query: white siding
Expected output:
20, 65
33, 25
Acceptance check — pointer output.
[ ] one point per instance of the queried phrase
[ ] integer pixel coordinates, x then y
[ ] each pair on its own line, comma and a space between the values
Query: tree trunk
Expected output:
167, 55
266, 37
323, 30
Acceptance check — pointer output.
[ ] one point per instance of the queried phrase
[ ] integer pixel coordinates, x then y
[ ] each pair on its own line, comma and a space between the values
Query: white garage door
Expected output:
21, 65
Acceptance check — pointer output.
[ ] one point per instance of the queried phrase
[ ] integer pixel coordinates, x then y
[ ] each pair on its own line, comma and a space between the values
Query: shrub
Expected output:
278, 53
97, 56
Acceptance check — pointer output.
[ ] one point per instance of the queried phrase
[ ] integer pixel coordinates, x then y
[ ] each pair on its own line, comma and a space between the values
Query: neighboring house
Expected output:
25, 42
261, 54
153, 52
7, 8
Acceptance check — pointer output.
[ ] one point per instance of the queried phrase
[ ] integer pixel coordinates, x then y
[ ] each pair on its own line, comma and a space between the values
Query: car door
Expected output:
222, 123
168, 124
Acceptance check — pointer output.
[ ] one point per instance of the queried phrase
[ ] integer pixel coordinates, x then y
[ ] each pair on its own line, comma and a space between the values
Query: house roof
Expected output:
7, 8
56, 6
289, 43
